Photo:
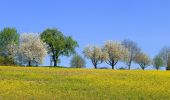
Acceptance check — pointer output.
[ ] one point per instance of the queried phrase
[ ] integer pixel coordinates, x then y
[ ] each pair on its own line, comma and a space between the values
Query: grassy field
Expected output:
82, 84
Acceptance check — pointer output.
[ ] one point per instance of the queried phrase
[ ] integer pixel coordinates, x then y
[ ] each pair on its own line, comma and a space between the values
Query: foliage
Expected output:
8, 37
115, 52
103, 68
1, 60
157, 62
143, 60
77, 62
31, 49
6, 61
133, 51
58, 44
95, 54
122, 68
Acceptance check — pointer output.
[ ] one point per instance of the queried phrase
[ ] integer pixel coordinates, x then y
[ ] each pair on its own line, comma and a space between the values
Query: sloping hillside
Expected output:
82, 84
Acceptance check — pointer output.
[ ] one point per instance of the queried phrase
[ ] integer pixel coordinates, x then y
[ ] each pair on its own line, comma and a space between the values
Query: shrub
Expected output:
77, 62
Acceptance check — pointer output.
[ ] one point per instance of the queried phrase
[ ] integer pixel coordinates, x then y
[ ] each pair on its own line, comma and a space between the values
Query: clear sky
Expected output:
93, 21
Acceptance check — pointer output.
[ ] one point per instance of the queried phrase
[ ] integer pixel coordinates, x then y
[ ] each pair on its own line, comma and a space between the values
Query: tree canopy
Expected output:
31, 49
115, 52
77, 62
157, 62
9, 37
95, 54
133, 51
58, 44
143, 60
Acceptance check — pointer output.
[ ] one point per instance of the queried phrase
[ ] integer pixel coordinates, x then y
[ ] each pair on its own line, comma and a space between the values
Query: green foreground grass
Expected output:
82, 84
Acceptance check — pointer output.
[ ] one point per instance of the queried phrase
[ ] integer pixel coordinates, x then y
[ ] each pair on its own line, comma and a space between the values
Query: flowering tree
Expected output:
143, 60
31, 49
95, 54
115, 52
12, 50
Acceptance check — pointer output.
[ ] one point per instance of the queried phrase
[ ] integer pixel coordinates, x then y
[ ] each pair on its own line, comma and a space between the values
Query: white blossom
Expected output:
32, 49
95, 54
115, 52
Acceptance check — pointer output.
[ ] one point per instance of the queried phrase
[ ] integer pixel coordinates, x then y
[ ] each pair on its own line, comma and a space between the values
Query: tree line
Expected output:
126, 51
29, 49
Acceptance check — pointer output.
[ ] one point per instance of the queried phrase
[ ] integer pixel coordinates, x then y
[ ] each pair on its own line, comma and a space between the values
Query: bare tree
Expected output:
133, 51
32, 49
143, 60
165, 55
115, 52
95, 54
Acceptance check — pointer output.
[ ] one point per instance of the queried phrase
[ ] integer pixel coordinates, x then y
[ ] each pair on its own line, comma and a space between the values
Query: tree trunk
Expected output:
94, 63
113, 63
55, 63
29, 63
129, 65
167, 68
157, 68
168, 64
54, 60
95, 66
57, 60
36, 64
143, 68
55, 57
113, 66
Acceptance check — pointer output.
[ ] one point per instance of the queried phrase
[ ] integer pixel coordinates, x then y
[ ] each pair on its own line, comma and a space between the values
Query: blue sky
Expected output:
93, 21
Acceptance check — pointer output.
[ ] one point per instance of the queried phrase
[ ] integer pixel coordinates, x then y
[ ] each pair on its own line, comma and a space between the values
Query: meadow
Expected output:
31, 83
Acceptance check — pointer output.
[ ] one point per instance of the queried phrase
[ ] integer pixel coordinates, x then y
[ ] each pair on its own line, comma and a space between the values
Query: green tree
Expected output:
9, 37
77, 62
157, 62
58, 44
143, 60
